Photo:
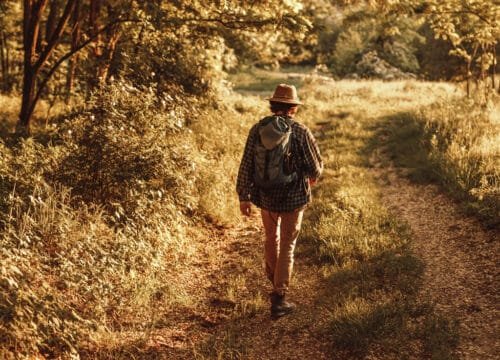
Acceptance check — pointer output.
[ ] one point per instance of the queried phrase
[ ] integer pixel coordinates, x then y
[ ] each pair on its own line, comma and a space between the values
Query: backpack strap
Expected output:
297, 156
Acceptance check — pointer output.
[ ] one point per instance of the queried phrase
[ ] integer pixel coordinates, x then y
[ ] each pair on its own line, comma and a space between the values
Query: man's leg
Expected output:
290, 228
270, 221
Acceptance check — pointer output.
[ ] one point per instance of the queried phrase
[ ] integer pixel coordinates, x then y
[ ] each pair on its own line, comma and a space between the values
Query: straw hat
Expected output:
285, 94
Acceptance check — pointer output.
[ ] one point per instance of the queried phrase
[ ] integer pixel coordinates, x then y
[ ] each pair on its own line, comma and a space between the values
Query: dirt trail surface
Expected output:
461, 273
460, 279
232, 319
260, 337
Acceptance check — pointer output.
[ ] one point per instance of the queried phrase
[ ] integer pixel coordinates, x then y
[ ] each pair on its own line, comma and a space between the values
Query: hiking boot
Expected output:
280, 307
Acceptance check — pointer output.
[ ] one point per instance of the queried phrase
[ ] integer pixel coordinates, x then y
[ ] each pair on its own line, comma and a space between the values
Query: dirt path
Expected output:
461, 273
232, 319
460, 280
255, 334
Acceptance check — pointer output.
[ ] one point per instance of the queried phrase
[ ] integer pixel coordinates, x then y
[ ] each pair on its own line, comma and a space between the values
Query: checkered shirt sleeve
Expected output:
244, 183
313, 165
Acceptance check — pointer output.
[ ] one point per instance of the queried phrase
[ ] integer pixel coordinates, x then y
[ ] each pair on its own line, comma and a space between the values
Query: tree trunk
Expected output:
493, 68
468, 74
107, 55
3, 60
95, 9
104, 44
469, 70
50, 25
35, 58
31, 26
75, 40
28, 99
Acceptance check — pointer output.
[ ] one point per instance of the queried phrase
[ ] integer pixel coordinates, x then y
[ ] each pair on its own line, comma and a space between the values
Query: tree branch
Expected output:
69, 54
56, 35
230, 23
470, 12
35, 17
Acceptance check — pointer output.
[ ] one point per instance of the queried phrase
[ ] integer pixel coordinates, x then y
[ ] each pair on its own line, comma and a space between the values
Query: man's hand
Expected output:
312, 182
245, 208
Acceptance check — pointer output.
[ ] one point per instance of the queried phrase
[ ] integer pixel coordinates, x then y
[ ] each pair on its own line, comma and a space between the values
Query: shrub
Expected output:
462, 143
97, 225
129, 153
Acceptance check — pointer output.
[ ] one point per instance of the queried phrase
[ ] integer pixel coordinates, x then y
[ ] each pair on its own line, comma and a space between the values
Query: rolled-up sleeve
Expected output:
244, 182
312, 159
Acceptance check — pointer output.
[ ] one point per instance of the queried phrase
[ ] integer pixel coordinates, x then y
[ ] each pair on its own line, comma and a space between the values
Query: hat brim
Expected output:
285, 101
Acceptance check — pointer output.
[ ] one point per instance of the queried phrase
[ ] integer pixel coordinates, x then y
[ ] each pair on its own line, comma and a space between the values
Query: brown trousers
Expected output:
281, 232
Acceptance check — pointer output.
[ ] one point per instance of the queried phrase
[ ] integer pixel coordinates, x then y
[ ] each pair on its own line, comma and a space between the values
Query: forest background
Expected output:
121, 134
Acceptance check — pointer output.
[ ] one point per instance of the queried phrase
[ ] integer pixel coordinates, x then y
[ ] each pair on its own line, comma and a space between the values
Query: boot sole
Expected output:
279, 314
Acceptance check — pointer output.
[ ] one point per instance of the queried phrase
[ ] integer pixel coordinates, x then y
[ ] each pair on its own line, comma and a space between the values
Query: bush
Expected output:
462, 143
97, 225
129, 153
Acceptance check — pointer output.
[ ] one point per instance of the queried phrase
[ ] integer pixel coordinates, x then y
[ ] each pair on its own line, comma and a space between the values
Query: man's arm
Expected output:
312, 158
244, 183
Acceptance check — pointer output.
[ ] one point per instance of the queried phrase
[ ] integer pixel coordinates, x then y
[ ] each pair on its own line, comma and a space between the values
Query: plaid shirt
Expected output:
287, 198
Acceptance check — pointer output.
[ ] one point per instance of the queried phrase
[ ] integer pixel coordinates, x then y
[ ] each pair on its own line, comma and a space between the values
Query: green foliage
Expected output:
34, 318
395, 39
348, 49
434, 57
471, 27
127, 155
170, 60
462, 143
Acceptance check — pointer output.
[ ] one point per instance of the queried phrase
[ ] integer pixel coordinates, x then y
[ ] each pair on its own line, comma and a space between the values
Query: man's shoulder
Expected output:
299, 128
254, 127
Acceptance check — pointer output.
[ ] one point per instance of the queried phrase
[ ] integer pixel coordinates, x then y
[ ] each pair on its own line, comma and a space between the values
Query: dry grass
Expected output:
454, 143
117, 267
372, 273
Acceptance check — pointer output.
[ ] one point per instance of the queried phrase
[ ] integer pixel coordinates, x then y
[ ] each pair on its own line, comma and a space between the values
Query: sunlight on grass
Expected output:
129, 259
373, 276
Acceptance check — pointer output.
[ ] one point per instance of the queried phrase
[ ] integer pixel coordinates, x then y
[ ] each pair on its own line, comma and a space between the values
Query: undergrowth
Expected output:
457, 144
372, 277
101, 212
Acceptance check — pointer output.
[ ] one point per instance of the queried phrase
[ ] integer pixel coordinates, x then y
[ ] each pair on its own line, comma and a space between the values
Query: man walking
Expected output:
280, 163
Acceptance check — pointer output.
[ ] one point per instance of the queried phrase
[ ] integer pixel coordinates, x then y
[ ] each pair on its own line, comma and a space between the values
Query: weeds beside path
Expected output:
385, 268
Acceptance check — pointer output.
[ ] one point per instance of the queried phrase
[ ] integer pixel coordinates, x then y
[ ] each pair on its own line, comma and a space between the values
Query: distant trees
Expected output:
10, 32
54, 31
78, 45
403, 31
473, 30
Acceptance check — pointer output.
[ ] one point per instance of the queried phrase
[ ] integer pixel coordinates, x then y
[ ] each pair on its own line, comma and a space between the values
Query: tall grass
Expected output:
372, 277
455, 142
463, 145
101, 219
